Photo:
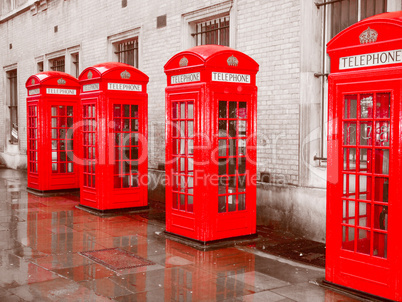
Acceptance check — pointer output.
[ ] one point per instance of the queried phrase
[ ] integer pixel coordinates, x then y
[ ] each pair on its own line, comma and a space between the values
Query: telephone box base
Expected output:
359, 295
211, 245
113, 212
48, 193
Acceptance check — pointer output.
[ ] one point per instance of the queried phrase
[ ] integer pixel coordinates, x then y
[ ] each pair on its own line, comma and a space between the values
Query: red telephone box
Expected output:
364, 157
211, 102
52, 110
114, 108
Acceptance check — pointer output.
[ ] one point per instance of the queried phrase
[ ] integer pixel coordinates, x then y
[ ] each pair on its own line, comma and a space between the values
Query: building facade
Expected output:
287, 38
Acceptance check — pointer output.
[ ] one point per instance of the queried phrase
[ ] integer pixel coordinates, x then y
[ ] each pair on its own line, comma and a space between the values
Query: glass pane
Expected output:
242, 147
383, 105
175, 200
348, 236
365, 160
190, 109
222, 109
182, 202
182, 110
190, 128
381, 189
349, 133
366, 133
381, 161
242, 128
382, 137
381, 217
222, 128
380, 245
222, 166
364, 219
232, 147
349, 159
349, 185
350, 106
242, 202
232, 129
134, 111
190, 203
241, 165
366, 106
222, 204
363, 242
232, 109
242, 110
232, 166
190, 147
365, 187
222, 147
349, 210
175, 110
232, 203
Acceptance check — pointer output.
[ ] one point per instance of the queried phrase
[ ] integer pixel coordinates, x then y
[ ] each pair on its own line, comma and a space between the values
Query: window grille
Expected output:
58, 64
212, 32
344, 13
127, 52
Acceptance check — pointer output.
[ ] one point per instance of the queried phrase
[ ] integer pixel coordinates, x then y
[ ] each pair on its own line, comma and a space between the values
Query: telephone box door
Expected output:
362, 135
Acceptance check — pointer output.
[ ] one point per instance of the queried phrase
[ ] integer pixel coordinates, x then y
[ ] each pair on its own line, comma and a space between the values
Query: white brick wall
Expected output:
268, 31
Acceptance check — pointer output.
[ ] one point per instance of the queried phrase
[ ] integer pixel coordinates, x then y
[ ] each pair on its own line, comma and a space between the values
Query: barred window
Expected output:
344, 13
58, 64
214, 31
127, 52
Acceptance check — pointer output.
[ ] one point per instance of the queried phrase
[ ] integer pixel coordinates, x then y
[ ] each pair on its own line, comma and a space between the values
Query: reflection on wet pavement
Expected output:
41, 239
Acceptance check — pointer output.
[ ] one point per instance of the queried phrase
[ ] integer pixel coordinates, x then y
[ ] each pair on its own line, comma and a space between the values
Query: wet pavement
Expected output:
52, 251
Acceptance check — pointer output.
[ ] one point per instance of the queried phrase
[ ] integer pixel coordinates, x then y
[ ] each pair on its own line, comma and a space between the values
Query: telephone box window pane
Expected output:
223, 109
134, 180
348, 237
175, 111
190, 145
349, 159
363, 242
380, 245
175, 201
349, 133
364, 214
222, 204
190, 110
190, 205
365, 187
382, 161
182, 110
366, 106
366, 133
182, 202
382, 137
349, 185
383, 106
364, 160
241, 183
222, 128
190, 127
242, 202
222, 166
242, 128
242, 165
232, 203
349, 209
381, 217
381, 189
350, 107
242, 110
232, 109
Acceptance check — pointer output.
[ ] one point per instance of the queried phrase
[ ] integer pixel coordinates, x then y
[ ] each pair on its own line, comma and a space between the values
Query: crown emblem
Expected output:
368, 36
233, 61
125, 74
33, 81
89, 75
183, 62
61, 81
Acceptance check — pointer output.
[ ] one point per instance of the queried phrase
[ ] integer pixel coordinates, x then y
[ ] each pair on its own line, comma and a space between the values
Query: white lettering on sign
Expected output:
371, 59
124, 87
90, 87
34, 91
230, 77
185, 78
61, 91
